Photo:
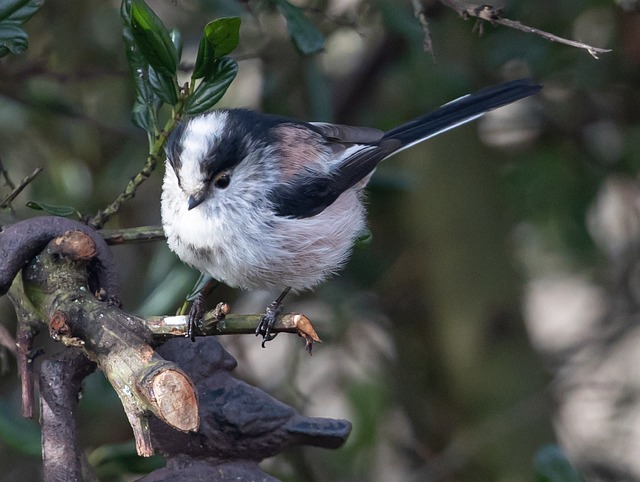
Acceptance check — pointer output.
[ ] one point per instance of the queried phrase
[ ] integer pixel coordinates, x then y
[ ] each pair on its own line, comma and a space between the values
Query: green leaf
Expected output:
212, 87
153, 38
223, 34
176, 39
125, 12
305, 36
63, 211
13, 39
205, 61
551, 465
14, 13
147, 102
221, 37
143, 117
19, 10
164, 86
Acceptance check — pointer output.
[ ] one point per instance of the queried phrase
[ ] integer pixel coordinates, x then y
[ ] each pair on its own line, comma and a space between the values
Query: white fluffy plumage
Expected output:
235, 236
265, 202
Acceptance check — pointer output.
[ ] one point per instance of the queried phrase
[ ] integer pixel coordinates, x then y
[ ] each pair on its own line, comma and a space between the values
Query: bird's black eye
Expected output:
221, 181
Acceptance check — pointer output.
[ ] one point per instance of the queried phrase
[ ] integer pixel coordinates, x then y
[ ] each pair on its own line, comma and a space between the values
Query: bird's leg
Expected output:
269, 318
195, 315
198, 308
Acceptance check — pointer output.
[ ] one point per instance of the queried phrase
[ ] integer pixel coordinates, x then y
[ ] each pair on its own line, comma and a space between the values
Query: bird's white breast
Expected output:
238, 240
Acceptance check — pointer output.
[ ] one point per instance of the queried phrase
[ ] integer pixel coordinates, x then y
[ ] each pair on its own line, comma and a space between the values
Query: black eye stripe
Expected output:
174, 145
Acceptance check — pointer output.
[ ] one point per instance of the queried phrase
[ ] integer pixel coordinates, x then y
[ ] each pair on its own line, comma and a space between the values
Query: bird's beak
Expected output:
195, 200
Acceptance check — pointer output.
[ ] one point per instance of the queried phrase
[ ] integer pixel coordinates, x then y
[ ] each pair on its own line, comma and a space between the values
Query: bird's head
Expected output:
203, 153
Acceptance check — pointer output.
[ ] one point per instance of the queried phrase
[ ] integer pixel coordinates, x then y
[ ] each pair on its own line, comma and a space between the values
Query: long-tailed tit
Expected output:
265, 202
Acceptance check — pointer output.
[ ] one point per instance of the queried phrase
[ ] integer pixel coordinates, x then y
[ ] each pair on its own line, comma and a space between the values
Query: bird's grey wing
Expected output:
340, 137
309, 192
347, 134
318, 162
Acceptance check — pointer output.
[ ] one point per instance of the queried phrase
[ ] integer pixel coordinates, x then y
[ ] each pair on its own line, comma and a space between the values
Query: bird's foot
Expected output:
194, 322
267, 321
265, 325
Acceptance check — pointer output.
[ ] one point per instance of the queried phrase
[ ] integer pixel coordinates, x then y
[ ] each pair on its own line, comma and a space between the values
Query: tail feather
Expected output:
312, 193
460, 111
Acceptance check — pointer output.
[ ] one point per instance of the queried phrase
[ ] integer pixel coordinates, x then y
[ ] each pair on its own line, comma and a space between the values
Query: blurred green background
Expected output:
441, 339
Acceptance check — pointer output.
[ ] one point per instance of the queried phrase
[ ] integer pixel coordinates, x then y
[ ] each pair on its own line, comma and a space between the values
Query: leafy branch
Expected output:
154, 54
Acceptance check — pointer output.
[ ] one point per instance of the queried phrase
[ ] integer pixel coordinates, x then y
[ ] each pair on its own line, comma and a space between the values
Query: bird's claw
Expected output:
196, 312
269, 318
267, 321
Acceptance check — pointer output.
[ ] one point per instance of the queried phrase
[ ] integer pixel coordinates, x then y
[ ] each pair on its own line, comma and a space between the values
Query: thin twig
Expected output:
17, 190
7, 341
594, 51
5, 174
494, 15
129, 192
156, 154
7, 344
419, 12
141, 234
28, 321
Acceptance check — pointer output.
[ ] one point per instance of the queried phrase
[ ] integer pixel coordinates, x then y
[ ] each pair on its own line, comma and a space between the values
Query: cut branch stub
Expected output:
57, 283
173, 396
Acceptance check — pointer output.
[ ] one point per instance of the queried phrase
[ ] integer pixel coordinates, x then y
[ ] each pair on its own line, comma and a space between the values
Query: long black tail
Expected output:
449, 116
461, 110
311, 195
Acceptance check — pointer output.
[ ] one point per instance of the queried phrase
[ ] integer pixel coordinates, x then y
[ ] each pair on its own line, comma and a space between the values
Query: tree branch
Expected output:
494, 16
238, 428
56, 282
5, 175
6, 202
129, 192
28, 320
156, 153
118, 342
140, 234
218, 322
420, 13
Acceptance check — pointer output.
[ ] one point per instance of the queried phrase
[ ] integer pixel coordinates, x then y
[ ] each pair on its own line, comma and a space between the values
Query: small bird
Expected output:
260, 201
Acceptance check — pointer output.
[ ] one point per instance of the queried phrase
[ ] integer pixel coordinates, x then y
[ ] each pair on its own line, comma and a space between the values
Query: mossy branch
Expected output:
120, 344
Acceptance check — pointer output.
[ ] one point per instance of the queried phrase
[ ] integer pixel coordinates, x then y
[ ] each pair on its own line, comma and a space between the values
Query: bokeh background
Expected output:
494, 309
